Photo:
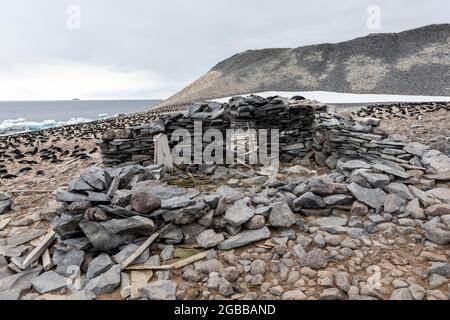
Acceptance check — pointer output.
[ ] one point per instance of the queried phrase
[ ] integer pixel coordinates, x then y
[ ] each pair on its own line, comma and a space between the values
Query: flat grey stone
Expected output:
176, 202
416, 149
159, 290
337, 199
399, 189
440, 268
50, 281
98, 197
64, 196
356, 164
79, 185
209, 239
442, 194
436, 232
122, 198
393, 203
401, 294
229, 194
99, 265
391, 170
244, 238
239, 213
281, 215
328, 222
374, 198
436, 160
159, 190
71, 263
106, 283
309, 201
376, 180
18, 239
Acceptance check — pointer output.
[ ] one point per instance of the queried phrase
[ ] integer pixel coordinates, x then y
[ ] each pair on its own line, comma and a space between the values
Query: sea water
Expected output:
22, 116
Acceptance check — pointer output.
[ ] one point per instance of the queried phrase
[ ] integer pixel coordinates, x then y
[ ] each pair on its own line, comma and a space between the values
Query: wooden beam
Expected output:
47, 260
175, 265
184, 262
139, 251
40, 248
163, 155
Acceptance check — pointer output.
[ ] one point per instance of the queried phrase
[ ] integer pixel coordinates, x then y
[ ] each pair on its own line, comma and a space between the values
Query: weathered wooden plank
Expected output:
39, 249
163, 155
139, 251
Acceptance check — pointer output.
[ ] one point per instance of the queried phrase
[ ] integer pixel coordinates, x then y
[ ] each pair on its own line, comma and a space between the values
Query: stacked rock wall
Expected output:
293, 118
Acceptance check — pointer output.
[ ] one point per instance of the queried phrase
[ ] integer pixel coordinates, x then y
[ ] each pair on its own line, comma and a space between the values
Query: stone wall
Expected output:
293, 118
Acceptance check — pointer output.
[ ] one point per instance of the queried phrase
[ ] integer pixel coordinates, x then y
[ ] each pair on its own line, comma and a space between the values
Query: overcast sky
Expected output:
153, 48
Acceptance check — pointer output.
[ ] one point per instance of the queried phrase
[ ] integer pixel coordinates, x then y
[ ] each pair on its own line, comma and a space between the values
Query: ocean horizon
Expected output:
22, 116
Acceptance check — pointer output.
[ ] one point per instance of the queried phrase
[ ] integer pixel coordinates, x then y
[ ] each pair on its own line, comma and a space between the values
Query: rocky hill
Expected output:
413, 62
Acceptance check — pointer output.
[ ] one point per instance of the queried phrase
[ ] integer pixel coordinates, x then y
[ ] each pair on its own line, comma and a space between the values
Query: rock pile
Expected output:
293, 118
341, 137
326, 236
401, 110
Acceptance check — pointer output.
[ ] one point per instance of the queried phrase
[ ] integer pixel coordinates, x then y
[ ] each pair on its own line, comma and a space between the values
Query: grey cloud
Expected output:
181, 39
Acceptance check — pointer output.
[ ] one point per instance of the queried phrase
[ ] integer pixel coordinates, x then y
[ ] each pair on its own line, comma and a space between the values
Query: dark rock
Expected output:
99, 265
113, 233
145, 203
309, 201
63, 196
66, 226
71, 264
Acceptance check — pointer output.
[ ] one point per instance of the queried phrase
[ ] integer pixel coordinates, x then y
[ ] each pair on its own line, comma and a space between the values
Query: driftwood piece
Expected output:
175, 265
39, 249
47, 260
139, 251
30, 191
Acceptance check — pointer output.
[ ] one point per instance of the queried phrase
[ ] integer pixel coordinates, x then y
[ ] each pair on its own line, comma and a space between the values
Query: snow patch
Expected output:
337, 97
